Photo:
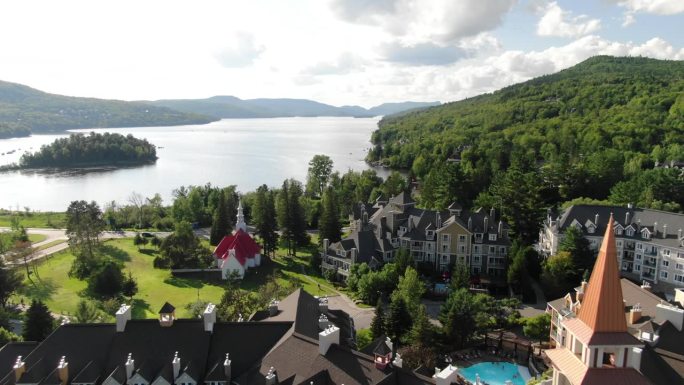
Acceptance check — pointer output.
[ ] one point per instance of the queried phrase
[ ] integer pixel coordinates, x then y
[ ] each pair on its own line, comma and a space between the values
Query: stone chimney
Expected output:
438, 220
130, 366
323, 305
679, 234
209, 316
486, 224
645, 286
323, 322
627, 218
664, 231
326, 245
667, 312
596, 218
123, 315
398, 361
470, 223
227, 369
655, 229
63, 371
500, 229
354, 255
175, 363
635, 314
273, 308
327, 338
19, 368
446, 376
271, 377
492, 214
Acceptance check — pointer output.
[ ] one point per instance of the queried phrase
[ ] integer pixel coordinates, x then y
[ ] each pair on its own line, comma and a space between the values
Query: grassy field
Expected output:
35, 238
50, 244
33, 219
62, 293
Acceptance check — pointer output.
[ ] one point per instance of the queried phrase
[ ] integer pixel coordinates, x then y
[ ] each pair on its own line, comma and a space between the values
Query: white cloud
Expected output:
420, 21
345, 63
557, 22
656, 7
421, 54
242, 52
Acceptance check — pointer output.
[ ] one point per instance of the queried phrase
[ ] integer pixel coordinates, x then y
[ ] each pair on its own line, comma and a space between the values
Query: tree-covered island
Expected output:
94, 149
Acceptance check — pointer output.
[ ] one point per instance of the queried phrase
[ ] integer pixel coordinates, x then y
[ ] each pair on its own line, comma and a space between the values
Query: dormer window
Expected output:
591, 229
430, 234
618, 231
630, 232
478, 237
492, 237
646, 234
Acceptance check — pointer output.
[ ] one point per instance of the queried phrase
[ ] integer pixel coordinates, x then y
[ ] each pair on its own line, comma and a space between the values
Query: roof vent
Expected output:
130, 365
123, 315
227, 367
323, 322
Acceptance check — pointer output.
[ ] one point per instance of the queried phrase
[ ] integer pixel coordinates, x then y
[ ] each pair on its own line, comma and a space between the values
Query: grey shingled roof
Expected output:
641, 218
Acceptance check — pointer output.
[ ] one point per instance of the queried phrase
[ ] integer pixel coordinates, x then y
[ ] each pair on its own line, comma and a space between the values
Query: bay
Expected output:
242, 152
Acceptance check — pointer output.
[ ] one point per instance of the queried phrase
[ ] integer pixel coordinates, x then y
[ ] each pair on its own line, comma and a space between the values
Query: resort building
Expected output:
297, 341
649, 243
237, 252
611, 331
478, 239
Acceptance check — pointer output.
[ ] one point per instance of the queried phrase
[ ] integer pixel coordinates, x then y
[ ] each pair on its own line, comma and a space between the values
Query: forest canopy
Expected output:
91, 150
594, 130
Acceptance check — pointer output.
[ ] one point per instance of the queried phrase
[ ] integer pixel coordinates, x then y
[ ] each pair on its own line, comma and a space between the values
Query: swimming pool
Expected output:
496, 373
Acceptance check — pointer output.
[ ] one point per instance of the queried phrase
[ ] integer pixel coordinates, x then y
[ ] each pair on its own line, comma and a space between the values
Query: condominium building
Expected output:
650, 243
478, 238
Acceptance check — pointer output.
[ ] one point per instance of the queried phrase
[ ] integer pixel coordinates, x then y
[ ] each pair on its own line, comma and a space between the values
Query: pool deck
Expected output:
486, 357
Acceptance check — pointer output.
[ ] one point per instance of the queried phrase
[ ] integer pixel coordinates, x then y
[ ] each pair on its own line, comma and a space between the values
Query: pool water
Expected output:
496, 373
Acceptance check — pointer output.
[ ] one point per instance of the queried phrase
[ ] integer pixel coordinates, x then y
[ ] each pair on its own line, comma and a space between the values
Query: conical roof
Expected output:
602, 308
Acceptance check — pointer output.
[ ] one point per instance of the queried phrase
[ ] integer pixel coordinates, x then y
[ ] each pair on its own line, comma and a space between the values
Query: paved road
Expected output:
362, 316
537, 308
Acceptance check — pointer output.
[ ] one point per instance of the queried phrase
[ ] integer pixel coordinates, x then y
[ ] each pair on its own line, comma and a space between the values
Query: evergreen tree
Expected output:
39, 322
283, 215
421, 332
10, 281
264, 219
398, 320
577, 246
86, 312
460, 277
220, 225
377, 326
329, 223
129, 287
291, 218
458, 317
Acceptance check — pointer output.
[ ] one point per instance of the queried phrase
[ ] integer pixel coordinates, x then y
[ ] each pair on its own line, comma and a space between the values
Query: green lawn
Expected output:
34, 219
36, 238
50, 244
62, 293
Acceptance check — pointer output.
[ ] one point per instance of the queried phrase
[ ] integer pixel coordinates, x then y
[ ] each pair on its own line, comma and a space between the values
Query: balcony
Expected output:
650, 262
651, 251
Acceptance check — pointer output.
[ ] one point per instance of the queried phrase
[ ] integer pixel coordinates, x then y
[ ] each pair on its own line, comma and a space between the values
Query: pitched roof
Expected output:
10, 352
245, 247
167, 308
603, 309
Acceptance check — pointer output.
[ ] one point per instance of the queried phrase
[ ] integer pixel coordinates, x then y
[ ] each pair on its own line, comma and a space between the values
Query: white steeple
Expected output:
240, 224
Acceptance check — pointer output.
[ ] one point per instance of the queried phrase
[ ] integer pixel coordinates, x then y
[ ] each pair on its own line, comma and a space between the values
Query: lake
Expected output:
242, 152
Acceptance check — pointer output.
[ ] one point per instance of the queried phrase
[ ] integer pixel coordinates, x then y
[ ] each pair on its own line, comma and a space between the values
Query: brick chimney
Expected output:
123, 315
175, 363
327, 338
635, 314
227, 369
19, 368
209, 316
130, 366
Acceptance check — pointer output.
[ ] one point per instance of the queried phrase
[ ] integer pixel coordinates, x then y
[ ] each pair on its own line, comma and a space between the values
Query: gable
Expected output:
185, 378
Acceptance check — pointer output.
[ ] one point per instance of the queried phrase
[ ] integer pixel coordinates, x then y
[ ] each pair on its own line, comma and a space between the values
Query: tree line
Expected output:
92, 149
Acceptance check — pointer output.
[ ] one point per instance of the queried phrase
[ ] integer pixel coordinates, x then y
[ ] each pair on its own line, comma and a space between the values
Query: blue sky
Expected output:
340, 52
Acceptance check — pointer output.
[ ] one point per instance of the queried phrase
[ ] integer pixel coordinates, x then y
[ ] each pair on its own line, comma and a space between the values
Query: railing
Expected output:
326, 265
650, 262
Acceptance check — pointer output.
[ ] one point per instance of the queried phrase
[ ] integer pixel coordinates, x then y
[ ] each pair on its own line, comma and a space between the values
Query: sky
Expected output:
341, 52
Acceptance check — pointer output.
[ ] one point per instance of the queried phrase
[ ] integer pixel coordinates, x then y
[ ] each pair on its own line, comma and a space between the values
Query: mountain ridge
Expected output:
231, 107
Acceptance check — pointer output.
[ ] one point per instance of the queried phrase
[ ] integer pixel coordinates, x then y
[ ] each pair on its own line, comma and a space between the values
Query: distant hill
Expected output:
230, 107
594, 130
24, 110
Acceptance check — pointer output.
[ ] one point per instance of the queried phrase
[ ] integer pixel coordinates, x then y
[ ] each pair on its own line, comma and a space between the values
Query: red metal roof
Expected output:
602, 308
241, 242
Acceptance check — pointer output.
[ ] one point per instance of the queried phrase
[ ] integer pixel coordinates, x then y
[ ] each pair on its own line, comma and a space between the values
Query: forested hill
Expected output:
79, 150
24, 110
578, 132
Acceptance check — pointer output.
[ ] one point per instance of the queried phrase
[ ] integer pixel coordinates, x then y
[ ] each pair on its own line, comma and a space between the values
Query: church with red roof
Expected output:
237, 252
